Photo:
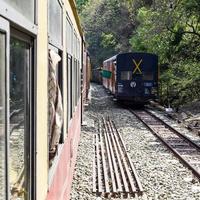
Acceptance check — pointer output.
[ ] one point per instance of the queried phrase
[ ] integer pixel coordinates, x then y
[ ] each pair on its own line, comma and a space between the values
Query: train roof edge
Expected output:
74, 9
115, 56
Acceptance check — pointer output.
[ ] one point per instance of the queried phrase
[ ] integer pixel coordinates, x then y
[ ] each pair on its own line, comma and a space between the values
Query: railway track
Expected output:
184, 148
113, 172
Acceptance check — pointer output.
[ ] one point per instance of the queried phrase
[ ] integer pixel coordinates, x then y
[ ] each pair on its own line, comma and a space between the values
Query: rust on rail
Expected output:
113, 171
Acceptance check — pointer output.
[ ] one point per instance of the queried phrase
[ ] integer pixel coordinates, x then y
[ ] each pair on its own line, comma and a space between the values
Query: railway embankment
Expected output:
162, 175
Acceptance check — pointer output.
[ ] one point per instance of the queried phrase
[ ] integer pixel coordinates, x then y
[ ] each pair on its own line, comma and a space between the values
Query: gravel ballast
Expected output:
162, 175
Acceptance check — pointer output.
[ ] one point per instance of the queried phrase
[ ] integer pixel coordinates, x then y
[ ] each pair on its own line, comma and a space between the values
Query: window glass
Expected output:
25, 7
71, 88
69, 93
2, 116
19, 141
73, 84
55, 22
76, 85
126, 75
69, 31
148, 76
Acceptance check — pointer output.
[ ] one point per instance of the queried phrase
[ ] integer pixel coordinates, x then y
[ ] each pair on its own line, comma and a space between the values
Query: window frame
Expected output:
10, 31
52, 169
5, 28
69, 89
15, 17
127, 74
69, 36
30, 107
52, 40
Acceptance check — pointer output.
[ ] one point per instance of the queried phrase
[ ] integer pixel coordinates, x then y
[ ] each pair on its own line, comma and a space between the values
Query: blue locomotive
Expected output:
132, 77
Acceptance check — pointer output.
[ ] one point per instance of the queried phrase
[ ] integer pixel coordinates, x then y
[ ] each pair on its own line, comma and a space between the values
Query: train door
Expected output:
16, 113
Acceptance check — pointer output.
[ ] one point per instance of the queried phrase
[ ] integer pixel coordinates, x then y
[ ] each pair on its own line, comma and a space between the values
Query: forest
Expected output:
168, 28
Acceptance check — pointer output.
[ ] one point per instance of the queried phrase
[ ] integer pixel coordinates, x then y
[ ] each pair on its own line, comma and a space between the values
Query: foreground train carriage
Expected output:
40, 97
132, 77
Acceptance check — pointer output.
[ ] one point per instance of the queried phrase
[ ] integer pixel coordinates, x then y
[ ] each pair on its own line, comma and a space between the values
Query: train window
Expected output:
73, 85
78, 83
126, 75
69, 83
76, 86
78, 50
2, 115
55, 20
25, 7
148, 76
74, 80
69, 31
19, 140
55, 97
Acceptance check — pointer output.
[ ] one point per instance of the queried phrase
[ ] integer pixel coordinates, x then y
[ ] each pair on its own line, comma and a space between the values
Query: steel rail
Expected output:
98, 166
94, 189
109, 160
130, 178
113, 159
106, 180
129, 159
174, 130
197, 174
116, 147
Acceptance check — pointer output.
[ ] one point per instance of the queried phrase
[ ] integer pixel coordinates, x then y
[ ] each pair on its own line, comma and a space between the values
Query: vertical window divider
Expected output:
4, 28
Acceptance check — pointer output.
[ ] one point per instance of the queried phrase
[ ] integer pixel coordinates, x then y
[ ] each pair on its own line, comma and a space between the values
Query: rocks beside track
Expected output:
162, 175
187, 115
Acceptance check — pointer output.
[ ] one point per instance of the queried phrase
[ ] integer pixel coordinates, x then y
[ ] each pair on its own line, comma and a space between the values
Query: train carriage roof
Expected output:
74, 9
121, 54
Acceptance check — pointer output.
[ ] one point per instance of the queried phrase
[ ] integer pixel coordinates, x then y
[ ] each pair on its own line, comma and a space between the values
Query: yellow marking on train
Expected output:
137, 66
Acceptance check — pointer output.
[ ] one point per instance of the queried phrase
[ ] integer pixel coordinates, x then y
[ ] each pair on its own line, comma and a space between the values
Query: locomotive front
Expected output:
137, 77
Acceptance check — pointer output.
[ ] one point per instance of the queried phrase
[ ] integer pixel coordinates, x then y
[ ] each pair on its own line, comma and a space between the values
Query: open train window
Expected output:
126, 75
147, 76
55, 97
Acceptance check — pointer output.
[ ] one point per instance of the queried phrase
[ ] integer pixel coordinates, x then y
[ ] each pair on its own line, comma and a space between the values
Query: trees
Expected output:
170, 29
108, 27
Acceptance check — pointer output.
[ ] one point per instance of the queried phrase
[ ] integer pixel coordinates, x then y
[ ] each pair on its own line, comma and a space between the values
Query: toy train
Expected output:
132, 77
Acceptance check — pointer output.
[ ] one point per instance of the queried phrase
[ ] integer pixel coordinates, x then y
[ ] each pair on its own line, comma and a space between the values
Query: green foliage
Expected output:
108, 40
173, 32
108, 27
80, 4
170, 29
